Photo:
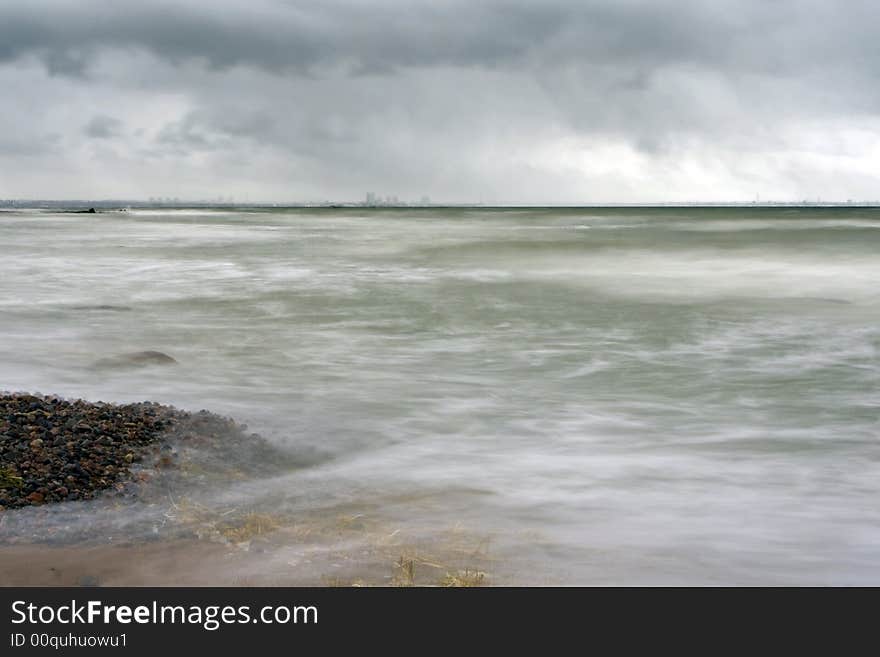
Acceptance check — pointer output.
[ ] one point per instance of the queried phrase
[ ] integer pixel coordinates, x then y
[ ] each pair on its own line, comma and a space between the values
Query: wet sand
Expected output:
339, 551
174, 564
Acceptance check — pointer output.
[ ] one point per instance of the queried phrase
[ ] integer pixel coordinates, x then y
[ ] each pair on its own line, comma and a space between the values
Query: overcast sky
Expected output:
550, 101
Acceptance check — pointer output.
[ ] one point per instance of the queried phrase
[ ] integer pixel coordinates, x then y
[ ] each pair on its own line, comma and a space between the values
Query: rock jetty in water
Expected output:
52, 450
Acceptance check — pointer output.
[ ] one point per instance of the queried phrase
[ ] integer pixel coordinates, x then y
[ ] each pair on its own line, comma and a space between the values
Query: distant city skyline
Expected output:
116, 204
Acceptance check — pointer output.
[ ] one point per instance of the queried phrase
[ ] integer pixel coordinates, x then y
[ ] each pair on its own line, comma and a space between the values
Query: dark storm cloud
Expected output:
446, 96
780, 36
277, 36
103, 127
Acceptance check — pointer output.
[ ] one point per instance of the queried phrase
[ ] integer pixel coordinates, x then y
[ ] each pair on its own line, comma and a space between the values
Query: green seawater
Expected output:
612, 395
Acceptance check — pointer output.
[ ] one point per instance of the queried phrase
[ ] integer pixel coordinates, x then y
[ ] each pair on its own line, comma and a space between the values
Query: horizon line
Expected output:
338, 204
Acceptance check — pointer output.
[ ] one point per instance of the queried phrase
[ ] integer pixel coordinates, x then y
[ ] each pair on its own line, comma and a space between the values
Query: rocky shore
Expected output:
56, 450
53, 450
163, 515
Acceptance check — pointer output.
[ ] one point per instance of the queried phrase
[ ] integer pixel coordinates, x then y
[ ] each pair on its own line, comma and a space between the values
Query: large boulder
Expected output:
136, 359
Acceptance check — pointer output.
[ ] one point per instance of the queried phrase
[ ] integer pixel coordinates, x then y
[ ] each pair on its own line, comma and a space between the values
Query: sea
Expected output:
543, 396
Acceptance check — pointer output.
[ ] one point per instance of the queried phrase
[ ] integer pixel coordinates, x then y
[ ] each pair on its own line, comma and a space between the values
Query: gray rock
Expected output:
136, 359
104, 306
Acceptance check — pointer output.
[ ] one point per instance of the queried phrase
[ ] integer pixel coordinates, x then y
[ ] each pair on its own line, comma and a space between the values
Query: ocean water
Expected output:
600, 396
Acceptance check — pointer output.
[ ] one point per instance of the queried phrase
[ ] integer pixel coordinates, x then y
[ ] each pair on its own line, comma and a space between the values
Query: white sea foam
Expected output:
669, 398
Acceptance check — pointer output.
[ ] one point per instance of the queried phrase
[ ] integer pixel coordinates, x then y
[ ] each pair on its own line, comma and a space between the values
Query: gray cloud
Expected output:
503, 100
279, 36
780, 36
103, 127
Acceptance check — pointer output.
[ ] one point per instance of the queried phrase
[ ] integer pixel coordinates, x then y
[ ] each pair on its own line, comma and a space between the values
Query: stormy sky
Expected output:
551, 101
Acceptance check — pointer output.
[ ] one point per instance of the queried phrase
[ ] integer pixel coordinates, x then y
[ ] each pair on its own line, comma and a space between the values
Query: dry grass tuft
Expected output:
247, 527
464, 579
231, 526
406, 575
